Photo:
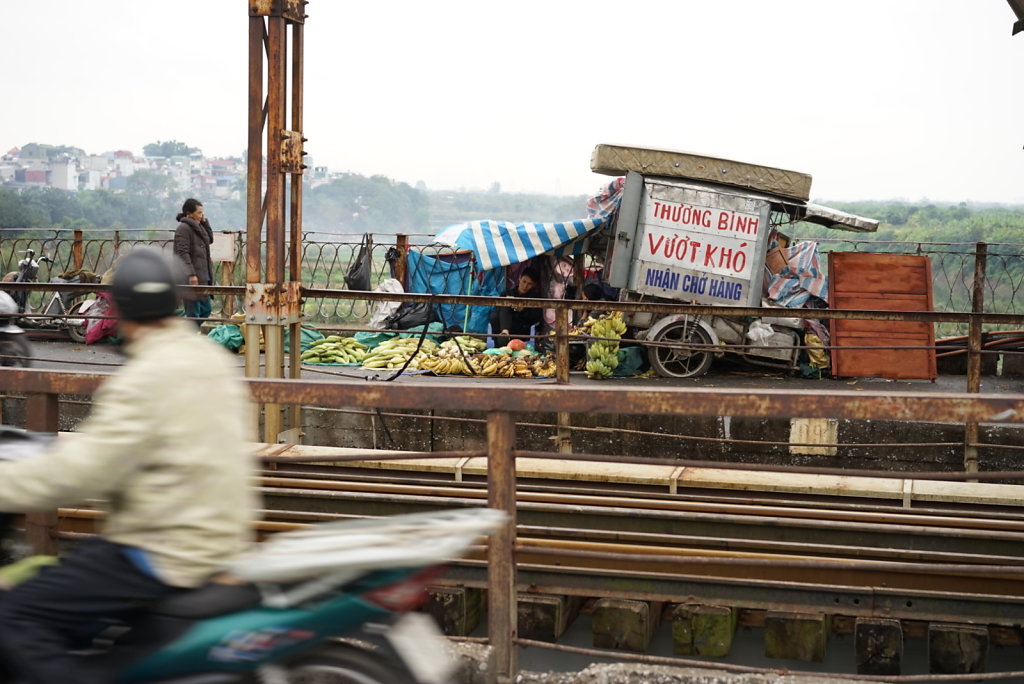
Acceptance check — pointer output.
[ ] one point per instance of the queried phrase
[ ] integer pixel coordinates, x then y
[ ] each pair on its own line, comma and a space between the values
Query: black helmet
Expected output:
145, 286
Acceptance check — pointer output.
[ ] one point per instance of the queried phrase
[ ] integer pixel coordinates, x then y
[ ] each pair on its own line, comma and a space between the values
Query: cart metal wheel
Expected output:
681, 361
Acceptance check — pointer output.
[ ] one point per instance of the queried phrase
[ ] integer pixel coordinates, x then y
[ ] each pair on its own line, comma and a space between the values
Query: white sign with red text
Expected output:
700, 246
708, 239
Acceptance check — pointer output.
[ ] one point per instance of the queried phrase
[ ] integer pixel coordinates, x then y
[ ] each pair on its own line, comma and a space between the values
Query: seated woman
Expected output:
517, 320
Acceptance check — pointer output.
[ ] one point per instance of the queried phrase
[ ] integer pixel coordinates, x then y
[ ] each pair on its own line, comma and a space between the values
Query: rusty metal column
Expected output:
41, 528
563, 436
402, 265
254, 193
974, 340
295, 225
501, 562
272, 302
273, 337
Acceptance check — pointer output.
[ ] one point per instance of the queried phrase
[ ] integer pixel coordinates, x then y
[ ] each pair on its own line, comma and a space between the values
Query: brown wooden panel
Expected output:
894, 364
853, 327
881, 282
870, 301
880, 273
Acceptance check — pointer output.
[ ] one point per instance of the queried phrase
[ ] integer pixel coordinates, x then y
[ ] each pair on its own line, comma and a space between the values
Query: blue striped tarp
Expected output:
500, 243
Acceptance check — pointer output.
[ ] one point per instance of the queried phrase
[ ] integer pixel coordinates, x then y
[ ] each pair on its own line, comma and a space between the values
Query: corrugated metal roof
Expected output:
1018, 8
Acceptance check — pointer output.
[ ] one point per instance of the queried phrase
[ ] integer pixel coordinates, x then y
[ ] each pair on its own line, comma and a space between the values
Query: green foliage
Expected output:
170, 148
357, 204
447, 207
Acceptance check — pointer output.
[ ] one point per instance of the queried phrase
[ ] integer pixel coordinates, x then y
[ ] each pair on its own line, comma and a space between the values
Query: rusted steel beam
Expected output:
974, 348
501, 579
957, 407
666, 309
76, 249
254, 163
935, 407
562, 346
402, 264
277, 41
41, 528
291, 10
1007, 320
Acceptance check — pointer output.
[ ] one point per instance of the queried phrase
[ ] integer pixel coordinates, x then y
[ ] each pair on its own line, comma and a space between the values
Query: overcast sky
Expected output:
876, 99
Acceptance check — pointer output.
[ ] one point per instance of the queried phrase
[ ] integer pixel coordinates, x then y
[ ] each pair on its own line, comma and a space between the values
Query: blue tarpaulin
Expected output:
500, 243
437, 276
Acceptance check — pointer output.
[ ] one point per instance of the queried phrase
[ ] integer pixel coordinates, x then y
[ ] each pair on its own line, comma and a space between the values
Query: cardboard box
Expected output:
775, 260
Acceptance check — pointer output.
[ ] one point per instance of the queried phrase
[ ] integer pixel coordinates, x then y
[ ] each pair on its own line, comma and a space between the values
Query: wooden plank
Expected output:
456, 610
957, 648
871, 272
545, 617
796, 636
705, 631
894, 364
624, 624
878, 644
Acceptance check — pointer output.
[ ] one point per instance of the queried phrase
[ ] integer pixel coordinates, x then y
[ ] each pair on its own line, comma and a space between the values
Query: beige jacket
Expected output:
166, 446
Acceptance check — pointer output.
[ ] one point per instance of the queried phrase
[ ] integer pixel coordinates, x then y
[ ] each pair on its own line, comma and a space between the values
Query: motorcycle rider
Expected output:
166, 447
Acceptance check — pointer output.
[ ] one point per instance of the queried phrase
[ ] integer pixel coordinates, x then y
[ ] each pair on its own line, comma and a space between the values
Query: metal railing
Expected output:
326, 258
42, 388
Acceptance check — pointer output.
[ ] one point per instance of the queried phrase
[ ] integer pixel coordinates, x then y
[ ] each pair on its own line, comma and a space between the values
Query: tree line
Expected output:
353, 203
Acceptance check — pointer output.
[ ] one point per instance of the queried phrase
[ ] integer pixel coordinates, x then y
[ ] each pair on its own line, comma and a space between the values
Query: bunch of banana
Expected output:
543, 366
445, 366
395, 352
460, 346
602, 355
335, 349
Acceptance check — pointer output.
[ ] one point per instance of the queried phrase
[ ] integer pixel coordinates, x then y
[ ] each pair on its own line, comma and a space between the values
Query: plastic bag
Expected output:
410, 315
358, 276
372, 339
631, 362
228, 336
385, 309
759, 332
307, 336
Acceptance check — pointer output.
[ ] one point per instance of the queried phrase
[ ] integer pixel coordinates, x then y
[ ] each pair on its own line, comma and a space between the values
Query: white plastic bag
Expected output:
385, 309
760, 332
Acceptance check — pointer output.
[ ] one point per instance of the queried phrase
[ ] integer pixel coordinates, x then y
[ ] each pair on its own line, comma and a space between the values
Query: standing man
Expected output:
166, 447
517, 320
192, 240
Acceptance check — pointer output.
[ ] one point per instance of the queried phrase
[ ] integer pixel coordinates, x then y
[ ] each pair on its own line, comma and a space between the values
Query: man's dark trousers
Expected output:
40, 618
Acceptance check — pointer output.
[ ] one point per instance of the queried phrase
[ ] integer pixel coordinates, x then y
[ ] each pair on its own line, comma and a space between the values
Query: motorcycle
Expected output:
14, 348
62, 311
327, 604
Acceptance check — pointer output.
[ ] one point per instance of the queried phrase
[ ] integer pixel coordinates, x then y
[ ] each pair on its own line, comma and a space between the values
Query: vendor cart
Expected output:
701, 230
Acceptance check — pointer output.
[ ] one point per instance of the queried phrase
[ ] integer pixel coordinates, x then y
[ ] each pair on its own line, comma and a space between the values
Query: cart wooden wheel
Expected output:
681, 359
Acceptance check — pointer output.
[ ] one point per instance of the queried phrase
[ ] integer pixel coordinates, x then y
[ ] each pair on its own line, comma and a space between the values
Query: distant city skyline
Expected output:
911, 100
